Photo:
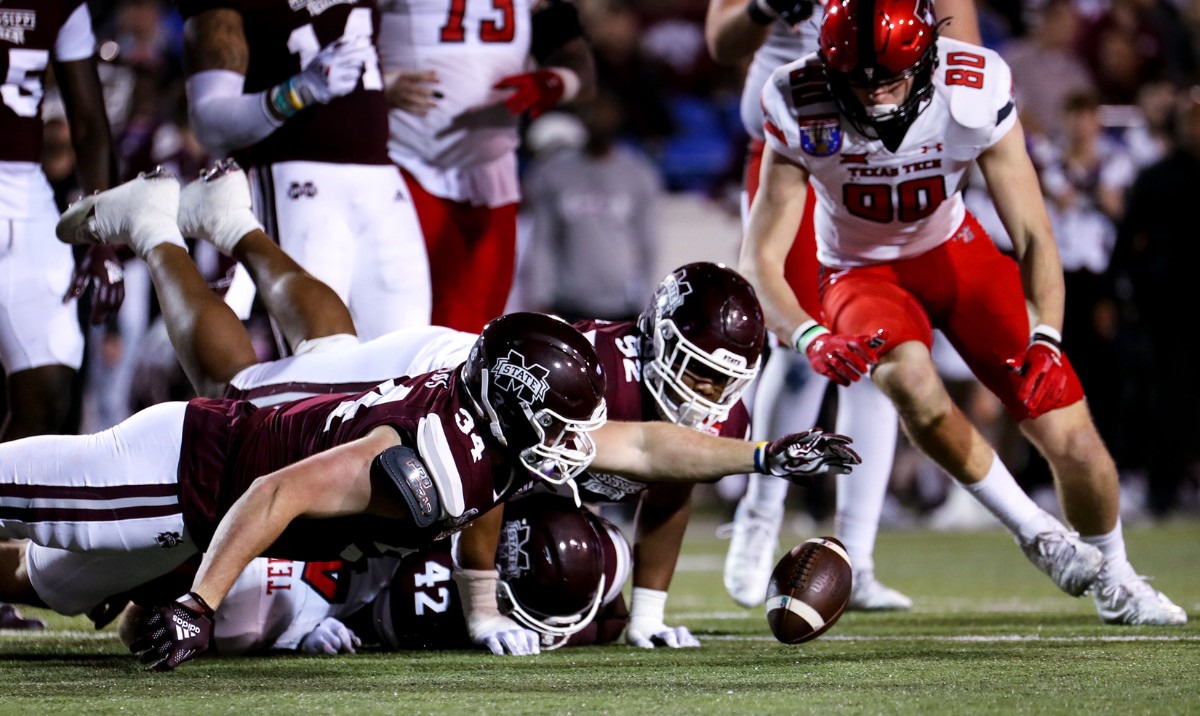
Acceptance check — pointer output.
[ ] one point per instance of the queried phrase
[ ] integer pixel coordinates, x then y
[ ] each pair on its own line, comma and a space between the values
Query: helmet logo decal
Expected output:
671, 294
511, 559
527, 382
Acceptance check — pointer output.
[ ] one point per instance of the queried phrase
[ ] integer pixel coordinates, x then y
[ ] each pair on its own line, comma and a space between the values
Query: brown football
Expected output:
809, 589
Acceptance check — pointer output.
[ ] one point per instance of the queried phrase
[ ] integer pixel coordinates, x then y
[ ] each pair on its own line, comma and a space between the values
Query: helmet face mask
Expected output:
537, 382
872, 43
702, 338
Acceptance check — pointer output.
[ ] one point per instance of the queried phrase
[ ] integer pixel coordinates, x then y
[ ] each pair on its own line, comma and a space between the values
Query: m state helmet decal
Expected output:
671, 293
512, 559
527, 382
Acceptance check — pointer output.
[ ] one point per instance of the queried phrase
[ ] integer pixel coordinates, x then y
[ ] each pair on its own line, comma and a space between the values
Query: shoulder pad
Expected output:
977, 82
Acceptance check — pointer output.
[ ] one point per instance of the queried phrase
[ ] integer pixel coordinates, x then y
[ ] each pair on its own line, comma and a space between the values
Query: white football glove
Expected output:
216, 207
330, 637
334, 71
646, 627
485, 624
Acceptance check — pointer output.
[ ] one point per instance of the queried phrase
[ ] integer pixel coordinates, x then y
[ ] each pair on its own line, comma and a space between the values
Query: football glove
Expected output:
791, 12
173, 634
537, 91
1043, 375
839, 357
805, 454
99, 266
330, 637
485, 624
333, 72
647, 629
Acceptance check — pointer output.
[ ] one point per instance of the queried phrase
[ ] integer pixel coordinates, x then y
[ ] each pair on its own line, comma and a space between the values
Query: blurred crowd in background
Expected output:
1109, 94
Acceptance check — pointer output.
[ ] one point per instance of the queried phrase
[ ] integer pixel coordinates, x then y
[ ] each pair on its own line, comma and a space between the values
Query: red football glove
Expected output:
100, 265
535, 92
1044, 378
844, 358
174, 633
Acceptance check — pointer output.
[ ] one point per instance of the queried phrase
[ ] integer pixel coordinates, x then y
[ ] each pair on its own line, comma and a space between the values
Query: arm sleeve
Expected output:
75, 41
222, 116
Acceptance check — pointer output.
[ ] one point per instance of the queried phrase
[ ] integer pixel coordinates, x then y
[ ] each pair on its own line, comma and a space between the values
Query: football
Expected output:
809, 588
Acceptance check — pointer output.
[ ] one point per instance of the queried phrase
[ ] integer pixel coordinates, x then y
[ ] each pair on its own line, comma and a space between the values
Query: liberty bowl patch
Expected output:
821, 138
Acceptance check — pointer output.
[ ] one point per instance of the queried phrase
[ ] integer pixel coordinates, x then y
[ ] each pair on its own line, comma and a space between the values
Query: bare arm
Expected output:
964, 20
90, 135
730, 33
664, 452
1013, 184
216, 40
333, 483
477, 544
770, 232
661, 522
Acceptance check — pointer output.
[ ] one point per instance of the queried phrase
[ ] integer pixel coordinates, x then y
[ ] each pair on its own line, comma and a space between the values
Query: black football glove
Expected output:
792, 12
173, 634
806, 454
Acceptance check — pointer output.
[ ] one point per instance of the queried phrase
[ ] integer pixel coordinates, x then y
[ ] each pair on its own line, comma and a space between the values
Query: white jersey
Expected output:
465, 148
342, 368
782, 46
275, 602
874, 205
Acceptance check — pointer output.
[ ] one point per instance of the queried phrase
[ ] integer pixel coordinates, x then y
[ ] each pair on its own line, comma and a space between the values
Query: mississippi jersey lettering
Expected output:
463, 149
283, 35
874, 205
616, 344
33, 33
232, 443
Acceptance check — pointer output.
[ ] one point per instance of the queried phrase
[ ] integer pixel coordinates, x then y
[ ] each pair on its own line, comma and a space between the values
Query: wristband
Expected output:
1047, 335
283, 101
757, 15
760, 453
648, 604
806, 334
570, 80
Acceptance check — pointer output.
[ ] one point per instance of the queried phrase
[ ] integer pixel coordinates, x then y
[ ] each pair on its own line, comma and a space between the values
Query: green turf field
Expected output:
988, 634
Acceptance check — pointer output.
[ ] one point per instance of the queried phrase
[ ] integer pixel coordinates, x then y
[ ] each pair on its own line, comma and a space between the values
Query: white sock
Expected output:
1005, 499
865, 413
1112, 545
765, 494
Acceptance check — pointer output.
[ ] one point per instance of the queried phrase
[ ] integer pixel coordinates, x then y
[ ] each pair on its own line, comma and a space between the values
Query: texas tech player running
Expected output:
883, 123
459, 76
294, 91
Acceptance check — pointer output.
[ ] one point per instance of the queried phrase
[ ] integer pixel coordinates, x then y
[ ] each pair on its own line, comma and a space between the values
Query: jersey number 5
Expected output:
502, 30
22, 88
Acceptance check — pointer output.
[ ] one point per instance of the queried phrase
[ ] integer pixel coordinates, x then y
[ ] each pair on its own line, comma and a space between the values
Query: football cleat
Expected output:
870, 595
751, 555
1072, 563
11, 618
216, 207
133, 213
1133, 602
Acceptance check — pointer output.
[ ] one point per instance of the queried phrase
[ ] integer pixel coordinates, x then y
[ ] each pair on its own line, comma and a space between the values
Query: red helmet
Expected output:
704, 321
538, 383
551, 565
874, 42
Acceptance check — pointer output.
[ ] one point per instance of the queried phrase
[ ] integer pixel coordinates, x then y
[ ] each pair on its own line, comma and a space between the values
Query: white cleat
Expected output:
1072, 563
1133, 602
868, 594
132, 213
751, 555
216, 207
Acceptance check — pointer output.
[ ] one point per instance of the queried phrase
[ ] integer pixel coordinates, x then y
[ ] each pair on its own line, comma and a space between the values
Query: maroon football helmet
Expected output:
551, 565
537, 382
867, 43
618, 556
704, 323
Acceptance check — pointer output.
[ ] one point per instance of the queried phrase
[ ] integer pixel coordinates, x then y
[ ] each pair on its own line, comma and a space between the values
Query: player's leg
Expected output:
209, 340
1088, 490
867, 415
216, 208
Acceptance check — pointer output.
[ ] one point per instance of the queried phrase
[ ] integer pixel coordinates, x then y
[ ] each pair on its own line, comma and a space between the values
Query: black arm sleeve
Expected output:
554, 25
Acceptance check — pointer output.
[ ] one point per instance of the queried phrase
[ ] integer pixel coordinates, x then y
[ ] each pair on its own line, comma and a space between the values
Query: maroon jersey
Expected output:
616, 345
283, 35
29, 39
228, 444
